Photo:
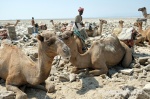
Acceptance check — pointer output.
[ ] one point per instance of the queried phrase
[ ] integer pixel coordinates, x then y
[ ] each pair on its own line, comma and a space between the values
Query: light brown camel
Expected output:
102, 54
18, 69
97, 30
144, 33
118, 30
56, 26
143, 9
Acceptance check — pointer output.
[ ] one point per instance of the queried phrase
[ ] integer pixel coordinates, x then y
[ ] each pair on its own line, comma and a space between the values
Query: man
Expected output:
78, 27
32, 21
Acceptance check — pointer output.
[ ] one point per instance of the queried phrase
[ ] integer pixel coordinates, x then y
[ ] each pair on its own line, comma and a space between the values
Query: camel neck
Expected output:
44, 63
144, 13
100, 28
121, 25
140, 29
78, 59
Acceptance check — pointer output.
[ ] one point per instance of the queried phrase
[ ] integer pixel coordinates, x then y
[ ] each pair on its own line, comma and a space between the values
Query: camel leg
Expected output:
49, 87
11, 85
19, 93
127, 59
100, 69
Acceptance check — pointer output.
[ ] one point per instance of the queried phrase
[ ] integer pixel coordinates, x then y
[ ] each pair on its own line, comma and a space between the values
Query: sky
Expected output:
61, 9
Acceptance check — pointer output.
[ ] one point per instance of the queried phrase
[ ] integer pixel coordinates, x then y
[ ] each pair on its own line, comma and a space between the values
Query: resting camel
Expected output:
18, 69
118, 30
102, 54
143, 9
97, 30
144, 33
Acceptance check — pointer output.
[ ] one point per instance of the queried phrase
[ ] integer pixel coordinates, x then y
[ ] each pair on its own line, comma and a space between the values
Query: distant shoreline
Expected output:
73, 18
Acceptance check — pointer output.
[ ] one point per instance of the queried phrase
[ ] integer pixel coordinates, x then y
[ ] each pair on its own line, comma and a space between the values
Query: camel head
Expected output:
49, 43
51, 20
138, 24
121, 22
142, 9
103, 21
67, 37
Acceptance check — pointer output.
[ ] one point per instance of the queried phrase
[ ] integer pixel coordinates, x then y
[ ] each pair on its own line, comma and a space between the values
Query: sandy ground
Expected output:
99, 87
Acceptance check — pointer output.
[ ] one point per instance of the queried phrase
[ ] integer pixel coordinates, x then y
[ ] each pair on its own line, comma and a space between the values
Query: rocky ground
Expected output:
119, 83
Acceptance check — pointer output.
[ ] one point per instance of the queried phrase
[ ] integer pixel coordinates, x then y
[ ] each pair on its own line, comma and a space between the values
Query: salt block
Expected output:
12, 32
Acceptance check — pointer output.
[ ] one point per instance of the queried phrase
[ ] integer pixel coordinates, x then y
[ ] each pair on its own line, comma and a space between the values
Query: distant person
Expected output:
78, 27
35, 26
32, 22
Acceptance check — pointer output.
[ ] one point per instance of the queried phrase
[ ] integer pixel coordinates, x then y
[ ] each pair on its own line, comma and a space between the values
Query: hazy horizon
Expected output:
68, 9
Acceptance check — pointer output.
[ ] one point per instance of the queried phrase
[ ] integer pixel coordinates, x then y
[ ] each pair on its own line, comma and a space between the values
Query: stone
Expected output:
7, 95
139, 94
63, 78
147, 68
127, 71
137, 70
148, 79
146, 88
142, 60
136, 65
72, 77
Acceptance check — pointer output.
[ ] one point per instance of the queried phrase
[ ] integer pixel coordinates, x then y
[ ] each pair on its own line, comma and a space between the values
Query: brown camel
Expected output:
118, 30
102, 54
143, 9
18, 69
97, 30
144, 33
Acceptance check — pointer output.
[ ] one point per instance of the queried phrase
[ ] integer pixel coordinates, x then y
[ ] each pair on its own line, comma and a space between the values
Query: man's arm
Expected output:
76, 24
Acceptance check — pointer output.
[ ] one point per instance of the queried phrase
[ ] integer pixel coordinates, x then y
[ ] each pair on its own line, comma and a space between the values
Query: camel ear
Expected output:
41, 38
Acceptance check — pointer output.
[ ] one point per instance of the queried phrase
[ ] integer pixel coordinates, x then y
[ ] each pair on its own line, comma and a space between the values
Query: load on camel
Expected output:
18, 69
128, 35
5, 31
145, 33
102, 55
95, 30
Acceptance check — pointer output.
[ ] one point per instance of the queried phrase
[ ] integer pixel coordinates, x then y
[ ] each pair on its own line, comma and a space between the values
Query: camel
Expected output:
143, 9
56, 26
144, 33
118, 30
97, 30
102, 54
18, 69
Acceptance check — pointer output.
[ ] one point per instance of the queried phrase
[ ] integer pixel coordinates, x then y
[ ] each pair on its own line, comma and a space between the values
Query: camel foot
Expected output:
97, 72
21, 96
50, 87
